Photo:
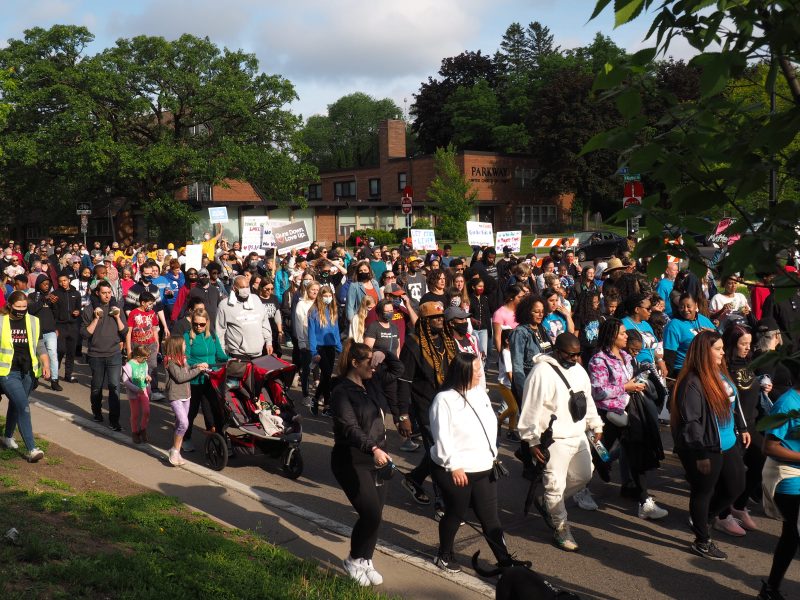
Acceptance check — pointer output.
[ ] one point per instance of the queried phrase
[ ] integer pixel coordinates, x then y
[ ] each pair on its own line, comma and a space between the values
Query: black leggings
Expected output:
754, 460
481, 495
327, 356
358, 483
203, 396
710, 493
304, 364
789, 541
612, 433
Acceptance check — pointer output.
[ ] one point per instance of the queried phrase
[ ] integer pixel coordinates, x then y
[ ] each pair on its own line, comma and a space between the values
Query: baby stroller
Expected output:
256, 413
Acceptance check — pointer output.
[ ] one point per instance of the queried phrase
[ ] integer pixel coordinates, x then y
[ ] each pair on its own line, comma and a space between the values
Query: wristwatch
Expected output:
402, 418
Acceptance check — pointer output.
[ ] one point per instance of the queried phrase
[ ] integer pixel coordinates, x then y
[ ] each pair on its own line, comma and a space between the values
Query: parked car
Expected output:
599, 244
673, 232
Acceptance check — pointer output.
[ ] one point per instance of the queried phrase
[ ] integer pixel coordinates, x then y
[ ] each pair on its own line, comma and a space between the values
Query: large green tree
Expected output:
347, 137
141, 121
451, 195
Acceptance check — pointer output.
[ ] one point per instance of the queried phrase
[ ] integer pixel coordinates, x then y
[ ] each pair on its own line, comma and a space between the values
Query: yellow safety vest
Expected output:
7, 346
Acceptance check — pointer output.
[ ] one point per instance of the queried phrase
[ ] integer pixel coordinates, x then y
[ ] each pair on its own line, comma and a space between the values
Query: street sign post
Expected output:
406, 205
84, 209
85, 226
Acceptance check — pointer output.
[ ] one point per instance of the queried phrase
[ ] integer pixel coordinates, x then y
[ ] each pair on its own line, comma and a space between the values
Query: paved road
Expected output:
621, 556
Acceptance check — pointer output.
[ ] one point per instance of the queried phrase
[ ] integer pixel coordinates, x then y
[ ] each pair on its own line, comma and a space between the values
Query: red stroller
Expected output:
243, 390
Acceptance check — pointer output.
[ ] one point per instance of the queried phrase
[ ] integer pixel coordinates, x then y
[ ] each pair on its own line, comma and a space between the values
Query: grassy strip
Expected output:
97, 545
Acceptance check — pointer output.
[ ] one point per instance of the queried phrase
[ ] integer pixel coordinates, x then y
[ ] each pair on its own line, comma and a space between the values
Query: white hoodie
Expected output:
545, 394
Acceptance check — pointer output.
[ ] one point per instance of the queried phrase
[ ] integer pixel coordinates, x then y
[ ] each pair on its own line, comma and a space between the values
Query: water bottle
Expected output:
602, 452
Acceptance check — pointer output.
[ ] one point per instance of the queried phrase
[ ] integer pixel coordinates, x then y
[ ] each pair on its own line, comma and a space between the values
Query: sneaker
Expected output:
744, 518
409, 445
438, 514
417, 493
355, 569
55, 386
34, 455
187, 446
447, 564
513, 435
538, 502
175, 458
9, 443
308, 401
374, 577
650, 510
708, 550
730, 526
327, 412
564, 540
157, 396
71, 379
97, 418
584, 500
115, 427
768, 593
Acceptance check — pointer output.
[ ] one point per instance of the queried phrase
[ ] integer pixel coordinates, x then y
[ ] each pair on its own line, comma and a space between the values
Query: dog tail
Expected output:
483, 572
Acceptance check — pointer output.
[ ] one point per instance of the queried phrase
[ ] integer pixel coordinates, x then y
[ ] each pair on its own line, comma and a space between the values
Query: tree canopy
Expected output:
452, 196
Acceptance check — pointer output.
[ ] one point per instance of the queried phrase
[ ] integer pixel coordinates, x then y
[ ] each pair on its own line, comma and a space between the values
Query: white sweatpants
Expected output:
568, 471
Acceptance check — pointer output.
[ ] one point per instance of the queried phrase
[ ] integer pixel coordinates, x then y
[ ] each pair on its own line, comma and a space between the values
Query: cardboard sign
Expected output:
194, 256
218, 214
290, 236
720, 237
479, 234
423, 239
253, 233
512, 239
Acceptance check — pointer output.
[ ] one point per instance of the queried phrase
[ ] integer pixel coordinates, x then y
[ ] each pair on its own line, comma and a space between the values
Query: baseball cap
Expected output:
394, 290
413, 258
431, 309
455, 312
170, 246
202, 272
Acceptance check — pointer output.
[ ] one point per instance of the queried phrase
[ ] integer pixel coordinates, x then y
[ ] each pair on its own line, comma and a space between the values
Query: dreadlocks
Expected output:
430, 353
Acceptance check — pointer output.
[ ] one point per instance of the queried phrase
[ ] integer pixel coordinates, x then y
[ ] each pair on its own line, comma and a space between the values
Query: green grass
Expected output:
8, 481
94, 545
55, 484
53, 460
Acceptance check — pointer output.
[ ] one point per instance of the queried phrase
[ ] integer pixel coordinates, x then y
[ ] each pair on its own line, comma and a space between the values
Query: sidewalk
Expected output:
305, 534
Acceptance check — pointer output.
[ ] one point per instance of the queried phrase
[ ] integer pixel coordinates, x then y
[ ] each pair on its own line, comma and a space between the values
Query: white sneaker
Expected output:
175, 458
9, 443
650, 510
34, 455
584, 500
355, 569
374, 577
308, 401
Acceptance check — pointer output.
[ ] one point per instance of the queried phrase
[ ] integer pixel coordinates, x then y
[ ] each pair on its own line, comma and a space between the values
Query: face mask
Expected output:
437, 328
146, 278
202, 280
243, 293
192, 279
307, 282
324, 275
363, 277
206, 237
479, 292
397, 302
327, 299
387, 317
460, 328
18, 314
455, 301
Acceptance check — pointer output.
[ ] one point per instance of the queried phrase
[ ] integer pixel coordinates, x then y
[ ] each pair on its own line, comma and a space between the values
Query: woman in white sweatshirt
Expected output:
300, 326
464, 428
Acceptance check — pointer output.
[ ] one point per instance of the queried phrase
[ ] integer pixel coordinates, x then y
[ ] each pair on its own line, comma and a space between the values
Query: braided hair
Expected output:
429, 353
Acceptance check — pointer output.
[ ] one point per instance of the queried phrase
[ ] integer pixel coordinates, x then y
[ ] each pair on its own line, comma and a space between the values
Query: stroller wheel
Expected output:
216, 451
292, 462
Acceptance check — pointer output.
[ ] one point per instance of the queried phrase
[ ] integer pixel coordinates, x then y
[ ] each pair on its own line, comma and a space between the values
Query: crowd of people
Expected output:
593, 358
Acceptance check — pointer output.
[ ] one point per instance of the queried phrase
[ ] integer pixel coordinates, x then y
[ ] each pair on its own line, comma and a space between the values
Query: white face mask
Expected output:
243, 293
327, 299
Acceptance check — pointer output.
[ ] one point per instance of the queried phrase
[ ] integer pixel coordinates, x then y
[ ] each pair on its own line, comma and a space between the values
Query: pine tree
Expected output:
451, 195
513, 58
539, 42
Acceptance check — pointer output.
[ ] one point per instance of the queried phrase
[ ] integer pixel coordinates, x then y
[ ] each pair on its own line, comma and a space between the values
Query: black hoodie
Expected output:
68, 301
40, 306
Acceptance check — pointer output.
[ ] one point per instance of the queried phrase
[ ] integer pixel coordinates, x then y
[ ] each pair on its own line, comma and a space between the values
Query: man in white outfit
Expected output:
570, 466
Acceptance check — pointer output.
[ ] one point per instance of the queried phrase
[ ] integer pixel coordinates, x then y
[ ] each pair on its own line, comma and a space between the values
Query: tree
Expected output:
515, 56
473, 114
451, 195
539, 41
348, 136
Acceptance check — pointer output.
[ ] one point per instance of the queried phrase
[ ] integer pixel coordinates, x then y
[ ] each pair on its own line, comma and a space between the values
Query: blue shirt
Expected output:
649, 339
679, 333
664, 289
726, 429
789, 436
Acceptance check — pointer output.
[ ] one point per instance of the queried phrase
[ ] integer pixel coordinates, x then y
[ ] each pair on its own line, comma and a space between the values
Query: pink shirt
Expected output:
504, 316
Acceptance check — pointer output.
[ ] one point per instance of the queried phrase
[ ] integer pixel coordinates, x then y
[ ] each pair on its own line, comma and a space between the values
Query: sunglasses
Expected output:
199, 324
390, 277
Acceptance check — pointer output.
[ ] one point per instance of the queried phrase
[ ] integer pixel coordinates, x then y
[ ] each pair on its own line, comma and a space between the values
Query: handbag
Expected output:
577, 400
498, 470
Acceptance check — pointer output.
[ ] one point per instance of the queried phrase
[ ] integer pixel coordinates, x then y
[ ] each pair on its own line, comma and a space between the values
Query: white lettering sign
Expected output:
512, 239
423, 239
479, 234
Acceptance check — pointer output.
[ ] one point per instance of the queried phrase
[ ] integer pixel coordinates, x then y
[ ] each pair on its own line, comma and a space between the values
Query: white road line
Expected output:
463, 579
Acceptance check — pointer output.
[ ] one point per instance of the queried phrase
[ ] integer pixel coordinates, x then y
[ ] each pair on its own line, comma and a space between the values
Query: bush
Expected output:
422, 223
381, 237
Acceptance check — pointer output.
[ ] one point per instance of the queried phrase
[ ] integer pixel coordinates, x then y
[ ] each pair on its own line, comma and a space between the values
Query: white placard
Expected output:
253, 232
423, 239
218, 214
479, 234
194, 256
512, 239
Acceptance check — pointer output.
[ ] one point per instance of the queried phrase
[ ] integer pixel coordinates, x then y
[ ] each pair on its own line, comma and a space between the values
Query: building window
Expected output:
402, 181
199, 194
536, 215
34, 231
99, 227
344, 189
315, 191
374, 188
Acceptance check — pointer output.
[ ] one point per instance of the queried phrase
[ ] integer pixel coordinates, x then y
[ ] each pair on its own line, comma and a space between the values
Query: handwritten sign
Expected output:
290, 236
194, 256
253, 232
512, 239
423, 239
479, 234
218, 214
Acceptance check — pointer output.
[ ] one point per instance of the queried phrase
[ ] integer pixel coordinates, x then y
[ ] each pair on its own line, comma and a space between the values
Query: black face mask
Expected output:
363, 277
202, 280
461, 328
324, 275
18, 314
437, 328
146, 278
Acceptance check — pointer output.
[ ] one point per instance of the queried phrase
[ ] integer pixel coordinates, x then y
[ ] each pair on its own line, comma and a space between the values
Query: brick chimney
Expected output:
391, 139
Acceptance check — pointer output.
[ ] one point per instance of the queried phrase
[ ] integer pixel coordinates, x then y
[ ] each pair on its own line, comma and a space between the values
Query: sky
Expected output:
330, 48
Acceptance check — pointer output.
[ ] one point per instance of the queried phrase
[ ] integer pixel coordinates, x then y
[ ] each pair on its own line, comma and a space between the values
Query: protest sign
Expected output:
479, 234
290, 236
194, 256
423, 239
252, 233
218, 214
512, 239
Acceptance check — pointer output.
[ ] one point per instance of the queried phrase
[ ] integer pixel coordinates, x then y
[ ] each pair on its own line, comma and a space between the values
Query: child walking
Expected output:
136, 380
178, 391
504, 379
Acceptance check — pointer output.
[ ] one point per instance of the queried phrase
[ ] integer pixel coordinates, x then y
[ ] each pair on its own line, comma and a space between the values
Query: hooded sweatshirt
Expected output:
243, 327
40, 305
105, 341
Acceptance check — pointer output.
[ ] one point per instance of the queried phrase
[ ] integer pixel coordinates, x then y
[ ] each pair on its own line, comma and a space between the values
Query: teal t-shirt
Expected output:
679, 333
727, 430
789, 436
554, 324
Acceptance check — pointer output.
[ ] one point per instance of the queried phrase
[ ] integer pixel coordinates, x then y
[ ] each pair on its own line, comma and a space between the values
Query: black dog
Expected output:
521, 583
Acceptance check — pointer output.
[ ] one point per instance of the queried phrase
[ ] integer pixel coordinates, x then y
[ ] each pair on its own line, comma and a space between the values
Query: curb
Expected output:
462, 579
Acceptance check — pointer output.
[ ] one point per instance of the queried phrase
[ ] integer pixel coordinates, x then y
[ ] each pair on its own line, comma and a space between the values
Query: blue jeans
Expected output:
17, 386
50, 340
483, 339
105, 370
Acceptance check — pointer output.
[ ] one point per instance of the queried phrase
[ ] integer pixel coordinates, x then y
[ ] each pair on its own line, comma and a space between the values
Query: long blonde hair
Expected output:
361, 316
328, 314
199, 312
